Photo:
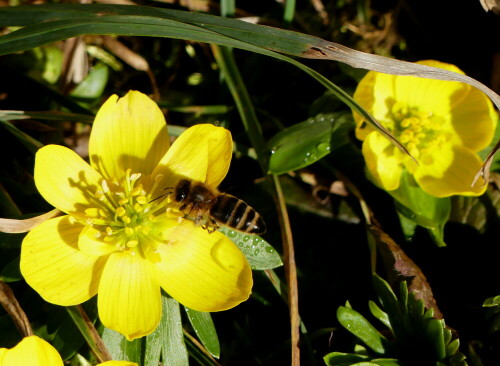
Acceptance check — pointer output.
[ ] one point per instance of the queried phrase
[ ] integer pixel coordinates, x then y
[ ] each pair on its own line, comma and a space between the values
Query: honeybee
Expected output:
212, 208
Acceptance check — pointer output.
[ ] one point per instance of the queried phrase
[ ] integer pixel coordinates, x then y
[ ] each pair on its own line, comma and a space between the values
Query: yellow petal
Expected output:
455, 179
475, 119
202, 153
374, 93
383, 161
128, 133
429, 95
52, 264
117, 363
205, 272
91, 242
32, 351
64, 179
129, 295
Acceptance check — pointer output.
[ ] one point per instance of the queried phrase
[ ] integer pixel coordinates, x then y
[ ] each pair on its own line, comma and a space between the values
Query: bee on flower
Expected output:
115, 240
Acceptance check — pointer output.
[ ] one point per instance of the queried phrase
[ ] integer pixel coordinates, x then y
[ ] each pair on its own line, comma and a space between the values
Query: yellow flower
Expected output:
116, 240
34, 351
443, 124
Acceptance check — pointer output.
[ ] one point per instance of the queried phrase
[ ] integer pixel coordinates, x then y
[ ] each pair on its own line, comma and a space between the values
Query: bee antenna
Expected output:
163, 195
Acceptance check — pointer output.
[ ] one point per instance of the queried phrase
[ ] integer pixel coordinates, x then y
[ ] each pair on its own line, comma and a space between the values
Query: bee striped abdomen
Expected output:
235, 213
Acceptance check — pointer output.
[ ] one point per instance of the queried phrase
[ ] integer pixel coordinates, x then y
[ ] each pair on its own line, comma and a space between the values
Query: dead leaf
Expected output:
402, 265
13, 226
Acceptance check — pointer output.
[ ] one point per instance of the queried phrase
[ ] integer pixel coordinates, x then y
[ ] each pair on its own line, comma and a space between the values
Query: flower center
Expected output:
419, 131
124, 213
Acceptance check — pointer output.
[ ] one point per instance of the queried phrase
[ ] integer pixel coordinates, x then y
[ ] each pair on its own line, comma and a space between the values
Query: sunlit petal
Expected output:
64, 179
436, 96
129, 295
32, 351
383, 161
203, 271
128, 133
378, 104
202, 153
455, 179
92, 243
475, 120
52, 264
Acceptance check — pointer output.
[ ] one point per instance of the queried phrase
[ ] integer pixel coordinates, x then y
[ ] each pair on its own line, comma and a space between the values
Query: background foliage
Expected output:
338, 219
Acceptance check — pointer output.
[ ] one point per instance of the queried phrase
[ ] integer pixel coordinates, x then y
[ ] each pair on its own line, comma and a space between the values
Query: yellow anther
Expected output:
102, 212
135, 176
132, 243
92, 212
129, 231
137, 207
105, 186
123, 201
120, 211
405, 123
136, 191
126, 219
142, 200
109, 231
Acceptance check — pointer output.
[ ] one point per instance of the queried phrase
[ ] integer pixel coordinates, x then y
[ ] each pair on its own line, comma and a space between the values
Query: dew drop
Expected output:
269, 249
323, 146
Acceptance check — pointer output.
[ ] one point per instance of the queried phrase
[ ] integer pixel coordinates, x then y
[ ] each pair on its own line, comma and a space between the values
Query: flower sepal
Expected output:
420, 208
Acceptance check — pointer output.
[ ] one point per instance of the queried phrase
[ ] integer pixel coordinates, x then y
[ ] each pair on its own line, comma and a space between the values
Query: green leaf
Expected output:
93, 85
259, 253
419, 206
355, 323
205, 330
120, 348
11, 271
492, 301
452, 347
379, 314
343, 359
152, 349
301, 145
29, 142
434, 330
386, 362
174, 352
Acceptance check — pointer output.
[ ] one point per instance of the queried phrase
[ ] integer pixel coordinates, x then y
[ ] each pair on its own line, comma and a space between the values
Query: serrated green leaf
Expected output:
174, 352
379, 314
300, 145
120, 348
390, 304
259, 253
355, 323
205, 330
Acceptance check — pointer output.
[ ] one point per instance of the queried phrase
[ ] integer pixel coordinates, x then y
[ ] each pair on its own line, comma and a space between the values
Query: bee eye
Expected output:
182, 190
